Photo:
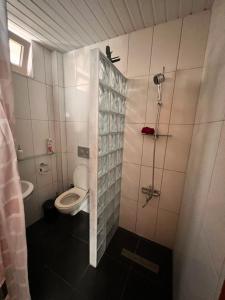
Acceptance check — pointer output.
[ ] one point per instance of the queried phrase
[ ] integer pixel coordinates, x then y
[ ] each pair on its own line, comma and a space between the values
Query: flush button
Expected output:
83, 152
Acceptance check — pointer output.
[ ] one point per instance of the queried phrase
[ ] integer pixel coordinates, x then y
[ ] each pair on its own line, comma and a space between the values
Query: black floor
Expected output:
58, 261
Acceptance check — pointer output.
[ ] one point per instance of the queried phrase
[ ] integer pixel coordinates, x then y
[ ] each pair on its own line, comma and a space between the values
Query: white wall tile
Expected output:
166, 228
128, 212
38, 62
63, 136
167, 98
214, 220
148, 145
23, 137
146, 181
77, 101
193, 40
48, 66
211, 106
43, 179
65, 171
82, 57
40, 136
178, 146
60, 71
136, 99
186, 94
59, 103
38, 102
21, 100
166, 39
132, 151
54, 168
130, 181
50, 103
69, 64
119, 47
172, 191
139, 52
27, 170
201, 271
77, 135
57, 136
146, 221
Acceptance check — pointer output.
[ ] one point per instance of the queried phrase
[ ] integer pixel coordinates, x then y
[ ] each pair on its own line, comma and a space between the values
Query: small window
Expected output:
19, 52
16, 53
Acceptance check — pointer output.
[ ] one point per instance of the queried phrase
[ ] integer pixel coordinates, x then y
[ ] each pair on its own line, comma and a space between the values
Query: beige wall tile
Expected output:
166, 40
128, 212
130, 181
178, 146
133, 141
167, 98
166, 228
139, 52
137, 99
172, 190
193, 40
214, 220
147, 157
146, 181
186, 92
146, 221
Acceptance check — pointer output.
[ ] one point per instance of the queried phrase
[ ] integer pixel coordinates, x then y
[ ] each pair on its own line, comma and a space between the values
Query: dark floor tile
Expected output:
159, 255
70, 260
138, 287
122, 239
49, 286
105, 282
80, 226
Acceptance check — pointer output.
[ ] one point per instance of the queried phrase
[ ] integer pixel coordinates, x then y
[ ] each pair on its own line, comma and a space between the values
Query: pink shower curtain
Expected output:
13, 251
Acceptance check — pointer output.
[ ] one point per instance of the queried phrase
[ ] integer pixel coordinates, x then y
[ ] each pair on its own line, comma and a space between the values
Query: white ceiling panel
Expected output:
71, 24
146, 9
135, 13
172, 9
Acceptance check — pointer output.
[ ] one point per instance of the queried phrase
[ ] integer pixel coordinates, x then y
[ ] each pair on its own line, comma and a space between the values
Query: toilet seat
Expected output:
70, 198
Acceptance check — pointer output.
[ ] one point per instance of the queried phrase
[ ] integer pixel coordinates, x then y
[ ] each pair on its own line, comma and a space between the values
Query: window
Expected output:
19, 52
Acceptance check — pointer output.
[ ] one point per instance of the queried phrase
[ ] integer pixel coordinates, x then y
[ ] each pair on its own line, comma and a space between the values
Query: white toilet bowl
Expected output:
71, 201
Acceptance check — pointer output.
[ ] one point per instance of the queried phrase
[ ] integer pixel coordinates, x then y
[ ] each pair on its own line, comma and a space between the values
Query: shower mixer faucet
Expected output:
148, 191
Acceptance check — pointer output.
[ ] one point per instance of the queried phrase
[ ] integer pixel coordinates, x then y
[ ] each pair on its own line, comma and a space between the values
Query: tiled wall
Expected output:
38, 118
179, 46
76, 108
199, 268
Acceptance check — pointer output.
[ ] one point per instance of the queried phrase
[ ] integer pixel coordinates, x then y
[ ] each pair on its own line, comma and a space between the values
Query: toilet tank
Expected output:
80, 177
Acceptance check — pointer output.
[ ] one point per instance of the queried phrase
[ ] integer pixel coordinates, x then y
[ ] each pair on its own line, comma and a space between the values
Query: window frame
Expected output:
23, 69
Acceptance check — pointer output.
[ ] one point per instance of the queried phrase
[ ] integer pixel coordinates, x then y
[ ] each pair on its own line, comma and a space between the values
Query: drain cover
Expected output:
147, 264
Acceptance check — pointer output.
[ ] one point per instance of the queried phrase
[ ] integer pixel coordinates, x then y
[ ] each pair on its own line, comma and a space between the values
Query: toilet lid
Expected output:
80, 177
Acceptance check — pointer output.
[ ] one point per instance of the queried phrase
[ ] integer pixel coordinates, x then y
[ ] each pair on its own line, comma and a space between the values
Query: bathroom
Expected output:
119, 150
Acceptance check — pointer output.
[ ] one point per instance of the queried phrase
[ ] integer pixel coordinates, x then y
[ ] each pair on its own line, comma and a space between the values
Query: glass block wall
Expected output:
110, 90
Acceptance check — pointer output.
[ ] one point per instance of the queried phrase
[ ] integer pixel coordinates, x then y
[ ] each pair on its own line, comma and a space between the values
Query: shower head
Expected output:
159, 78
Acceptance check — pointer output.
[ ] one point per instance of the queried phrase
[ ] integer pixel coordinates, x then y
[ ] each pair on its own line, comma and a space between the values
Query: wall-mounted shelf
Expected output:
36, 156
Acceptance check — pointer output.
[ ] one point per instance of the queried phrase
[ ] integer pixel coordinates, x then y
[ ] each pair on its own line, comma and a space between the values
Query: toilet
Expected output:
74, 199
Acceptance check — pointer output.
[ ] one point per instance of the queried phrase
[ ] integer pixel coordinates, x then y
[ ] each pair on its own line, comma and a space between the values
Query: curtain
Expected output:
13, 250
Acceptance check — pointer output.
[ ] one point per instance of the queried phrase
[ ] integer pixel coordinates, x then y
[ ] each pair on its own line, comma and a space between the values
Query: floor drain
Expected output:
147, 264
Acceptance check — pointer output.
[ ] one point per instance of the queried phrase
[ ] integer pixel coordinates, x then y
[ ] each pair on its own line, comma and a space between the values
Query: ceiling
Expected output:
70, 24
